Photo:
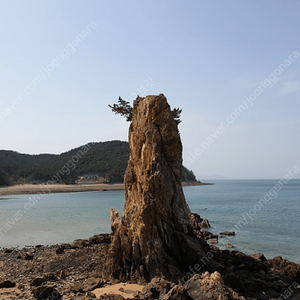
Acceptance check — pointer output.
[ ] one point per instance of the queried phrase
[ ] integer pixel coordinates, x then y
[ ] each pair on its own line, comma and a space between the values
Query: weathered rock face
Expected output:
210, 286
154, 236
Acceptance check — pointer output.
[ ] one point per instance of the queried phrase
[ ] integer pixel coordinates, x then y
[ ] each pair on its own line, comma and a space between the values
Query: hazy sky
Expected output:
232, 66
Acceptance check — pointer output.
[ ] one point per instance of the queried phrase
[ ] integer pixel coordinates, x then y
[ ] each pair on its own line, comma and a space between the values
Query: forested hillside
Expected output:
105, 158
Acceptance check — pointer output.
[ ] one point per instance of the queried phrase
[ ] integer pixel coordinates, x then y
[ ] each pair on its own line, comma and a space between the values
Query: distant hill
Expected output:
108, 159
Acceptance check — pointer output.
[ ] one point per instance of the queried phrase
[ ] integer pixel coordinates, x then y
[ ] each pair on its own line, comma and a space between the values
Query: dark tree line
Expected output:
108, 158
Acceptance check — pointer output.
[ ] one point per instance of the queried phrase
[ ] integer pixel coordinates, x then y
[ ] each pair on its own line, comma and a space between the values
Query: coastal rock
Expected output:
156, 217
236, 283
77, 287
28, 256
111, 297
205, 224
208, 235
93, 283
210, 286
60, 250
196, 220
7, 284
249, 262
213, 241
37, 281
94, 240
259, 256
46, 292
228, 233
99, 239
157, 288
66, 246
288, 271
177, 293
85, 267
8, 250
79, 243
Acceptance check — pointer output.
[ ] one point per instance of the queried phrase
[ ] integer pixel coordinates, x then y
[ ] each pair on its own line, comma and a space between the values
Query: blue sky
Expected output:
63, 62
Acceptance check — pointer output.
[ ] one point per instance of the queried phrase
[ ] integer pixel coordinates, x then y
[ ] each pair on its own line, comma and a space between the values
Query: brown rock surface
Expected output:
287, 270
205, 224
228, 233
210, 286
79, 271
259, 256
155, 230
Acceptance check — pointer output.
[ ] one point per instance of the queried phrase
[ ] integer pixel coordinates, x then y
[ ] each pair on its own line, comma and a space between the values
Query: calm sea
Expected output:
264, 215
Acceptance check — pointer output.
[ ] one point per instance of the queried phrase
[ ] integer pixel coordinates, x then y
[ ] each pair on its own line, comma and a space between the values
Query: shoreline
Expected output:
28, 189
82, 270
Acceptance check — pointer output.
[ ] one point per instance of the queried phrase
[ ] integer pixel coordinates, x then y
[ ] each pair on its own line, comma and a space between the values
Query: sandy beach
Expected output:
57, 188
24, 189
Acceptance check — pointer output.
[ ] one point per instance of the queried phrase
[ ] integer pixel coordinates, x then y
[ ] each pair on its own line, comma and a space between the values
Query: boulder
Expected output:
259, 256
196, 219
177, 293
288, 271
46, 292
66, 246
213, 241
8, 250
37, 281
60, 250
99, 239
236, 283
228, 233
156, 289
79, 243
7, 284
249, 262
111, 297
93, 283
205, 224
210, 286
77, 287
208, 235
28, 256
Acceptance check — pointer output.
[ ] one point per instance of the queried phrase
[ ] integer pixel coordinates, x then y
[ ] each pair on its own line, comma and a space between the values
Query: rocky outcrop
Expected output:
205, 224
155, 235
287, 270
79, 272
45, 292
210, 286
232, 233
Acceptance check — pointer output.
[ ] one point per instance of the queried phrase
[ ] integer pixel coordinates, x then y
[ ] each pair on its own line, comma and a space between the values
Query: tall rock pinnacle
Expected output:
154, 236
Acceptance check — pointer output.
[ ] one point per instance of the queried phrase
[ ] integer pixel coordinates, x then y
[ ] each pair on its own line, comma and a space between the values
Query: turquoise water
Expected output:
270, 226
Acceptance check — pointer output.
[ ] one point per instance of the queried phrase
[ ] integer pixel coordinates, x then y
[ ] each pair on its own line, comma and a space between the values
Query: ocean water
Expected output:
264, 215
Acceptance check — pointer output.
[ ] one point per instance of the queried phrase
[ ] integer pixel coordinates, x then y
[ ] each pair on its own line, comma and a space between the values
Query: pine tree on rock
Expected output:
154, 236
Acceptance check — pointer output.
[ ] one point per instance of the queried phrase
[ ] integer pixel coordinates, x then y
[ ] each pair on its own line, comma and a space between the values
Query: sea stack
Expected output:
154, 236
